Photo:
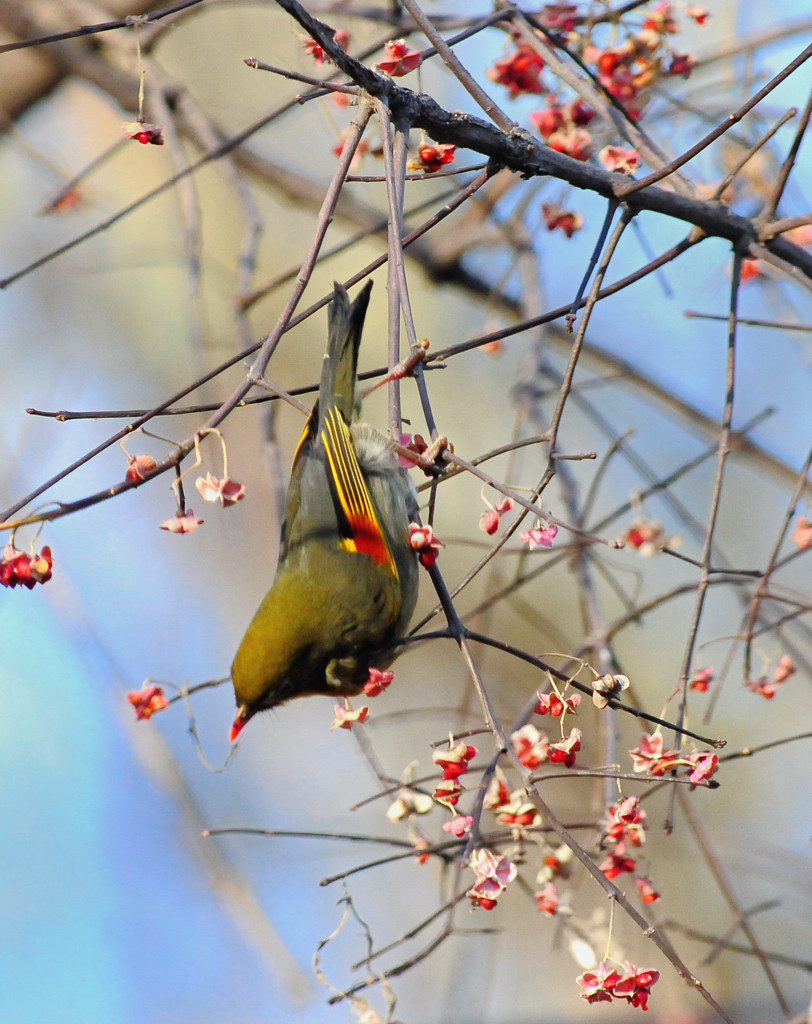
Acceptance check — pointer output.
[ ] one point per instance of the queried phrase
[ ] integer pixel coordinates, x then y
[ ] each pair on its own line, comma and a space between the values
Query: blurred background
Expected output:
114, 906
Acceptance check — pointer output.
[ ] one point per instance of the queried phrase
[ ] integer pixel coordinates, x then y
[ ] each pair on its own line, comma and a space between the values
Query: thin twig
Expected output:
643, 183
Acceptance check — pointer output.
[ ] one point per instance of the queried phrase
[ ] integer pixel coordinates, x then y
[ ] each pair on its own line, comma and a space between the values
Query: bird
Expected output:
346, 581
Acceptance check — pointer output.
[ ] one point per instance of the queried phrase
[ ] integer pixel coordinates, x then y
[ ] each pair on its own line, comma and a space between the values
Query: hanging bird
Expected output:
347, 578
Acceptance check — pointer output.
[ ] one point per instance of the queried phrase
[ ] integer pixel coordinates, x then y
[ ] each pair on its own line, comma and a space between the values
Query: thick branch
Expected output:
519, 151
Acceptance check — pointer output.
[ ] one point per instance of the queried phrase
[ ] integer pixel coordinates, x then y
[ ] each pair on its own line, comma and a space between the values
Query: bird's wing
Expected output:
293, 498
336, 392
359, 527
329, 502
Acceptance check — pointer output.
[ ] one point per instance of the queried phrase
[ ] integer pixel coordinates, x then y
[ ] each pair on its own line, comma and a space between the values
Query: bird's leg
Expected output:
342, 675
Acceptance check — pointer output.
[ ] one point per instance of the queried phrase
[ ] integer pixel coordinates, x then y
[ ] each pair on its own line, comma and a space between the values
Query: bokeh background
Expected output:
113, 906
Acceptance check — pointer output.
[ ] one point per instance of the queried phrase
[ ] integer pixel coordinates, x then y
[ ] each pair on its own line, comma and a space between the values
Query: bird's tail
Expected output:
345, 323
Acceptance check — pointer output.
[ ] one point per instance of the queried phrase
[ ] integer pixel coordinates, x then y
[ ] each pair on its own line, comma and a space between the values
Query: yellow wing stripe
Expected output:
308, 432
367, 537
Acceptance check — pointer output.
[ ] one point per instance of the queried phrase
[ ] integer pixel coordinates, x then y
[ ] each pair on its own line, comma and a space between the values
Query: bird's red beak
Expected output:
242, 717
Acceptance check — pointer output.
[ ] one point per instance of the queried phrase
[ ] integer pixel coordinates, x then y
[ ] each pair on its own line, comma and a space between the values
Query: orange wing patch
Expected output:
366, 536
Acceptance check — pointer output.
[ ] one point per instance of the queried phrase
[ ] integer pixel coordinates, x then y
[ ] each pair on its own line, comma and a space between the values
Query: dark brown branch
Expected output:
105, 26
